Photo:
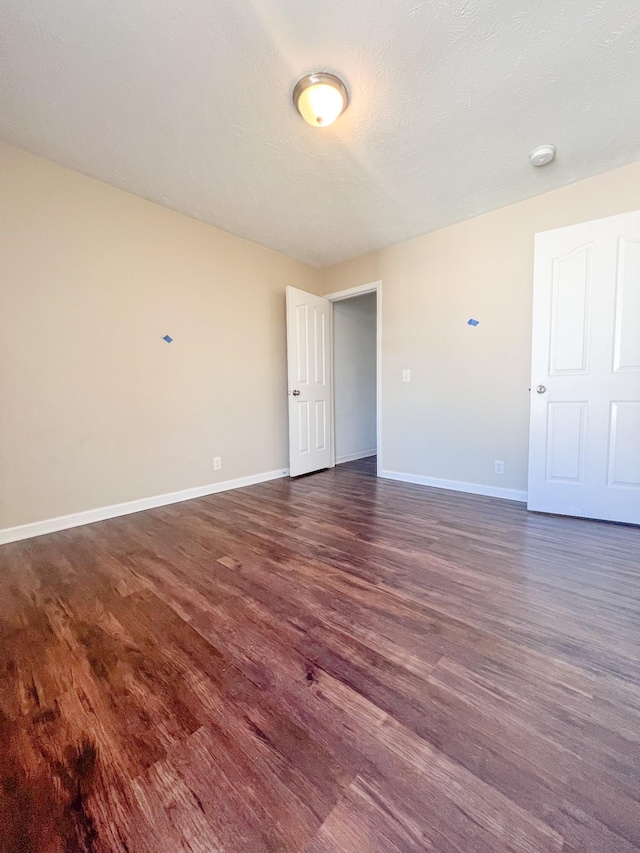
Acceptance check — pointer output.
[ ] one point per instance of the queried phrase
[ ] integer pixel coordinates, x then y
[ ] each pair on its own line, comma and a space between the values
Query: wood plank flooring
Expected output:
337, 664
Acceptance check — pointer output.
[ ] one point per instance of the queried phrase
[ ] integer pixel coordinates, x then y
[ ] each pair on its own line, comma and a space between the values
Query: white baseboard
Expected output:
64, 522
351, 457
457, 486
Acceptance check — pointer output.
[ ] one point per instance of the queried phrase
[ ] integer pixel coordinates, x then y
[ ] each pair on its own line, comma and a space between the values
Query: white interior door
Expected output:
309, 367
584, 451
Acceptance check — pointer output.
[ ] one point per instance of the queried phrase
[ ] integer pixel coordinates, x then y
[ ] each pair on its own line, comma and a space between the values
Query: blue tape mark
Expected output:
168, 339
472, 322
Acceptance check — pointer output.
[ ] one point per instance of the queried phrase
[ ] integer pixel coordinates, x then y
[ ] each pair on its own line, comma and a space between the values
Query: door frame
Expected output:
339, 296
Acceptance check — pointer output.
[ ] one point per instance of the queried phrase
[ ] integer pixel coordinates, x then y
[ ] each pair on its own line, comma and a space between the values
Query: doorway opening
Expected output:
356, 377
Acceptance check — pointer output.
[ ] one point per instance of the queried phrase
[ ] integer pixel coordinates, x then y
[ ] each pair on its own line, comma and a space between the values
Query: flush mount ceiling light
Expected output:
320, 98
542, 155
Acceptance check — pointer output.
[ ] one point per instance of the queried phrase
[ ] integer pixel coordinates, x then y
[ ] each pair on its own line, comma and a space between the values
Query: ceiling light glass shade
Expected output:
320, 98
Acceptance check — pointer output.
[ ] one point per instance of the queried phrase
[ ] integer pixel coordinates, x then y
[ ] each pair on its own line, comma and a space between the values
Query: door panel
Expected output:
308, 349
624, 443
627, 335
321, 425
304, 426
302, 345
569, 313
584, 448
320, 343
565, 441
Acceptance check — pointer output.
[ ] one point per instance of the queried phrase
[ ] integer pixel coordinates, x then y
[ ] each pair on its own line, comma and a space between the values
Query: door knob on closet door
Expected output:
540, 389
296, 393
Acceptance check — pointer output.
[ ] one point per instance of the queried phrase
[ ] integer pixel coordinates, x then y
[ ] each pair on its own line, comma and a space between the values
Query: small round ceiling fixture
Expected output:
320, 98
542, 155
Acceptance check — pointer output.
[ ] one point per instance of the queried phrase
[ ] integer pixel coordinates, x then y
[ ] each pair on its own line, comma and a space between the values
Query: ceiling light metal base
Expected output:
320, 78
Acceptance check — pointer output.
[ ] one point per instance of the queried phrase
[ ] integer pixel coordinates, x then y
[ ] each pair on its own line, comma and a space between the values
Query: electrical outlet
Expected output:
406, 375
498, 466
217, 463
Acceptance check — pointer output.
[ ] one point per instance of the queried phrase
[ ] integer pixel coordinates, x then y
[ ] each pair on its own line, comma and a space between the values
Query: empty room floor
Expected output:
337, 663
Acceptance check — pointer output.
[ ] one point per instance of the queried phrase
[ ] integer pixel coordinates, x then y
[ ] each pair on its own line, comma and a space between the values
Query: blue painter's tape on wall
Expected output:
472, 322
167, 338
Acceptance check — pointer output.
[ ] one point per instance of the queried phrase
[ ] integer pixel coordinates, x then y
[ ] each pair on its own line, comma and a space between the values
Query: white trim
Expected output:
351, 457
457, 486
64, 522
350, 292
338, 296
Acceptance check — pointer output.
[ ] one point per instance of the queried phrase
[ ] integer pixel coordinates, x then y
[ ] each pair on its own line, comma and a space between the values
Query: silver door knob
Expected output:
296, 393
540, 389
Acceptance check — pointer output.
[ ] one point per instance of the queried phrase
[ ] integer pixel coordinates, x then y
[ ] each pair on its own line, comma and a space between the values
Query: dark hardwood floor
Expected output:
338, 663
367, 466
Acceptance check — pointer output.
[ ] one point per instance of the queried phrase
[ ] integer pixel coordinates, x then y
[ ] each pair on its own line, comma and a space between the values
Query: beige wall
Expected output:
95, 408
468, 402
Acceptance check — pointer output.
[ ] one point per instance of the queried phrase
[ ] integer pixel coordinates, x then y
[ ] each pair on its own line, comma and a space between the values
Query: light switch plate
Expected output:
406, 375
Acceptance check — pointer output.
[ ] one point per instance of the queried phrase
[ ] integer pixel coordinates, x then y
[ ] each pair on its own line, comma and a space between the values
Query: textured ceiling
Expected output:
187, 103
